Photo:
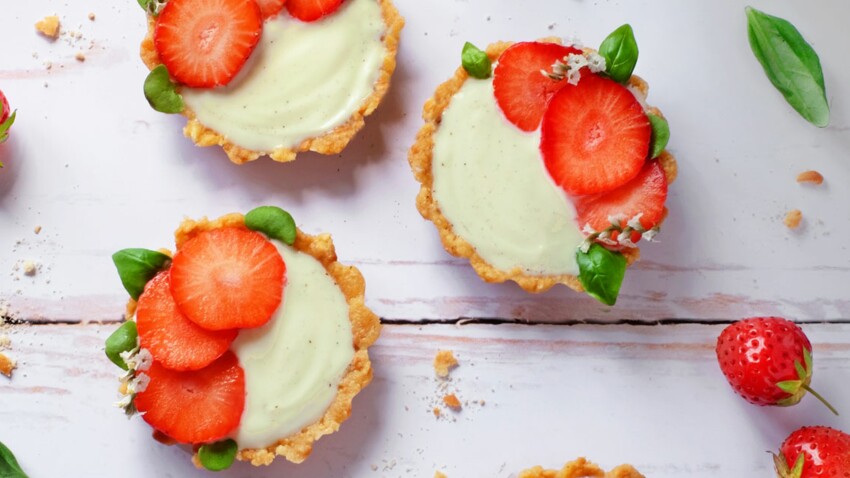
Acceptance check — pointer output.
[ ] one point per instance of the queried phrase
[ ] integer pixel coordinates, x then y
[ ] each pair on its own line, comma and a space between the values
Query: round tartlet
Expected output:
365, 328
422, 162
330, 138
581, 468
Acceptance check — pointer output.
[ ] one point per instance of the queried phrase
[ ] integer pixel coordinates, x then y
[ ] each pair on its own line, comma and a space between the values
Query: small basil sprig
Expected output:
124, 339
9, 467
4, 131
152, 7
601, 273
219, 455
137, 266
620, 51
273, 222
790, 63
476, 62
161, 92
660, 135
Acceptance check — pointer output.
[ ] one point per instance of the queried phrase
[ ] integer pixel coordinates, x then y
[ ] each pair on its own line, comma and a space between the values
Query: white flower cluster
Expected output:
570, 66
624, 234
134, 381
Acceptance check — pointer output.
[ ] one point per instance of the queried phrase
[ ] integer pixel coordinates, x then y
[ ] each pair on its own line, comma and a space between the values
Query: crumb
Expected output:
37, 229
30, 268
440, 474
80, 56
793, 219
437, 412
452, 401
91, 16
5, 342
6, 365
374, 467
812, 177
444, 362
48, 26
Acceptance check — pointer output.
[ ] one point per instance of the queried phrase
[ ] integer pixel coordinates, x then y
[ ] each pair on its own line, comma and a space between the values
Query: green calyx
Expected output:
782, 469
790, 63
620, 51
124, 339
476, 62
273, 222
798, 388
4, 126
660, 135
601, 272
137, 266
161, 92
152, 7
9, 467
219, 455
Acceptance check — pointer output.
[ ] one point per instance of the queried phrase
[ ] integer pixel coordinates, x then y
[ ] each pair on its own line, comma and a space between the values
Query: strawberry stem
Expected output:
819, 397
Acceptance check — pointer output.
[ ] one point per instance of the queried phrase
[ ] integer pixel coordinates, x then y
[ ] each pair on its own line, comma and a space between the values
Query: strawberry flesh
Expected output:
175, 341
595, 136
521, 90
311, 10
826, 452
204, 43
228, 278
270, 8
200, 406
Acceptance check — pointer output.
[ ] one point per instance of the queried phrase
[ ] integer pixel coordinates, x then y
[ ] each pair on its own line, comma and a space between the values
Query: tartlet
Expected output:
299, 377
458, 198
581, 468
346, 87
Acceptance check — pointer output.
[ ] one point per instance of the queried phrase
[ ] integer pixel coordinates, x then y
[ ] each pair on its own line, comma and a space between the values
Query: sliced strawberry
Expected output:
270, 8
204, 43
311, 10
644, 195
228, 279
194, 407
595, 136
521, 90
5, 110
175, 341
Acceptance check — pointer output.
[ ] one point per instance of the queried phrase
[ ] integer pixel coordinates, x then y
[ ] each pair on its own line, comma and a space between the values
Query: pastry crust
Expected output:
365, 328
331, 142
421, 156
581, 468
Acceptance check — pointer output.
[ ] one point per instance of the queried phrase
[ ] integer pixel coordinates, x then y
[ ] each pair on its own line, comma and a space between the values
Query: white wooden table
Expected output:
98, 170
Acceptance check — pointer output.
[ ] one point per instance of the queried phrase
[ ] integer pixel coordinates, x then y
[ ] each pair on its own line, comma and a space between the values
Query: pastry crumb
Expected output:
452, 401
440, 474
6, 365
437, 412
5, 342
811, 177
91, 16
30, 268
37, 229
48, 26
444, 362
793, 219
80, 56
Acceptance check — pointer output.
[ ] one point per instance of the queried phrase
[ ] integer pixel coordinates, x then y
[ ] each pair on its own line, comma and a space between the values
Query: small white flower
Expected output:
617, 220
574, 42
585, 246
625, 238
127, 356
125, 402
575, 62
139, 384
573, 77
587, 229
649, 235
635, 224
596, 62
144, 359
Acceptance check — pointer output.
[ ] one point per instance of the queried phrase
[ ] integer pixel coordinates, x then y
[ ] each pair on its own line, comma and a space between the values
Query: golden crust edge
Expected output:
331, 142
420, 158
581, 468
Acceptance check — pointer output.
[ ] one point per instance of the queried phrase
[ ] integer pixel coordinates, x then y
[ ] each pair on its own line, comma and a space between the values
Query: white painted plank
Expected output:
652, 396
99, 170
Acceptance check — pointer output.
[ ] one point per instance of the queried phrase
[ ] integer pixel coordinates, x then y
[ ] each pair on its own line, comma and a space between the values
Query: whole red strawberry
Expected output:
767, 360
7, 117
814, 452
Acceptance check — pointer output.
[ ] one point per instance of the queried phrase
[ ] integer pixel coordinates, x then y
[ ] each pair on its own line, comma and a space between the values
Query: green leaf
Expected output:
807, 357
9, 467
660, 135
476, 62
601, 273
620, 51
4, 126
219, 455
790, 386
161, 92
790, 63
124, 339
801, 372
273, 222
797, 471
137, 266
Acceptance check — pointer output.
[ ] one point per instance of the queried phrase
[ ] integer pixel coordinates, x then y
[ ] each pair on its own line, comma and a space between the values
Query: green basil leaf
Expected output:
124, 339
152, 7
601, 273
4, 126
219, 455
476, 62
161, 92
9, 467
137, 266
273, 222
660, 135
790, 63
620, 51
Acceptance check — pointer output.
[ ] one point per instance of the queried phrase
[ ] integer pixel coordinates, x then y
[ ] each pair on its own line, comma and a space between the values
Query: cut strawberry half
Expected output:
311, 10
228, 279
595, 136
194, 407
644, 195
5, 110
270, 8
204, 43
175, 341
521, 90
